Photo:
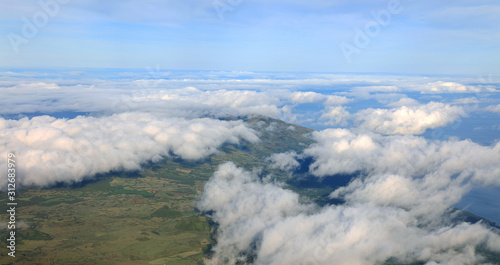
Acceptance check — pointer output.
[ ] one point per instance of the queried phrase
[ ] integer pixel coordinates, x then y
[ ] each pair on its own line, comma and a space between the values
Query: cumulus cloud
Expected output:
245, 102
37, 85
113, 97
263, 223
306, 97
341, 151
193, 101
189, 94
448, 87
169, 97
261, 205
284, 161
335, 116
51, 150
405, 101
408, 119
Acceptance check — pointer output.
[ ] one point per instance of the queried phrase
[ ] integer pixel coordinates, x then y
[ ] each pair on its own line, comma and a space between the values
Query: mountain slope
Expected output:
135, 217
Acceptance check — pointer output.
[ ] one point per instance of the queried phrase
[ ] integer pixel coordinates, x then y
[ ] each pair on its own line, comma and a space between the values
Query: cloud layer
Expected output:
399, 208
313, 100
51, 150
408, 119
343, 151
262, 223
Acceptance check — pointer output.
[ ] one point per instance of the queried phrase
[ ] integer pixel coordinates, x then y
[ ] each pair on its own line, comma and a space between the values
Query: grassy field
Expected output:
115, 220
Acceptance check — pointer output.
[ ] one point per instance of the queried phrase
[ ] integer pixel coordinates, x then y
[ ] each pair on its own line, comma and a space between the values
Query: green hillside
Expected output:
135, 217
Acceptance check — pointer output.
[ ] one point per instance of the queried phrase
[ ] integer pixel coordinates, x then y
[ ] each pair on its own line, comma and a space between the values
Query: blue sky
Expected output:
404, 93
420, 37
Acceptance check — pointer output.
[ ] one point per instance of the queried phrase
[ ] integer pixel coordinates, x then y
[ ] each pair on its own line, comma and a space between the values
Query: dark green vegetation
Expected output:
145, 217
148, 217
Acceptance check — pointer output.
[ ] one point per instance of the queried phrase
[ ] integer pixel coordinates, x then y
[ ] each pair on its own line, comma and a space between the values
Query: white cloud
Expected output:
494, 108
112, 97
181, 95
408, 119
263, 221
448, 87
340, 151
284, 161
337, 100
306, 97
189, 95
335, 116
51, 150
37, 86
405, 101
244, 207
314, 97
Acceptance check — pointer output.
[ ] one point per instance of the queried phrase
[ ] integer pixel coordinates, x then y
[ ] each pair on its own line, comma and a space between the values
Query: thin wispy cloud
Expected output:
253, 35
